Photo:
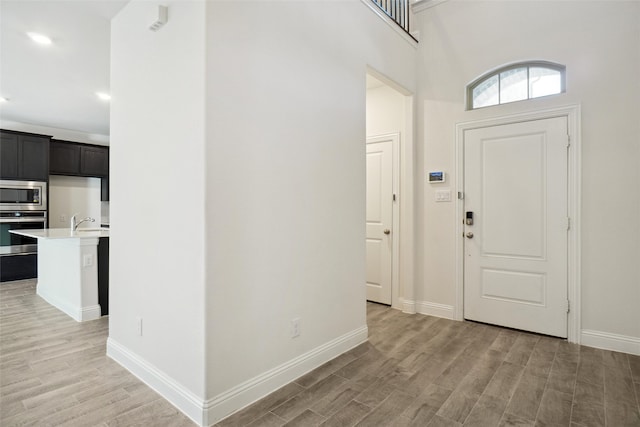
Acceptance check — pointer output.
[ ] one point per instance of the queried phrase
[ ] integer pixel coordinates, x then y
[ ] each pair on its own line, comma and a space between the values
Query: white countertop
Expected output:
63, 233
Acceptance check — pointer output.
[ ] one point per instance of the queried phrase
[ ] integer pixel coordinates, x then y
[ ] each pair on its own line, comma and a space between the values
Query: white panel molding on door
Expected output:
383, 233
572, 115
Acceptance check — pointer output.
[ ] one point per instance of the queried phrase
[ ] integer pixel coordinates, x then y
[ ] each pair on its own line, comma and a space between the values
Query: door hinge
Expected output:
568, 223
568, 141
394, 197
568, 306
460, 195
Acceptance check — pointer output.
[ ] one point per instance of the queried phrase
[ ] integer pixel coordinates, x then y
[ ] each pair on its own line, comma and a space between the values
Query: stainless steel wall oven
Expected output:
23, 206
11, 244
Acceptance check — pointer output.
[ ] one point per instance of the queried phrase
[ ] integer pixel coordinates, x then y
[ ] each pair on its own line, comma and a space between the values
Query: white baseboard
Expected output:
92, 312
79, 314
608, 341
256, 388
190, 404
432, 309
206, 413
408, 306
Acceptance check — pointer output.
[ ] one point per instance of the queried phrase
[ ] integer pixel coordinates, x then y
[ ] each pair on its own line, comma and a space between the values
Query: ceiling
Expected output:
56, 85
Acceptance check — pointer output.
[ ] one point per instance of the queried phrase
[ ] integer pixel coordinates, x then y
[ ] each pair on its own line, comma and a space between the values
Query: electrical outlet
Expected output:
87, 260
139, 325
62, 219
295, 327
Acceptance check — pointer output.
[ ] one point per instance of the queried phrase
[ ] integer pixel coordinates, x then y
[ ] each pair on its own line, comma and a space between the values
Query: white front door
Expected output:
379, 221
515, 190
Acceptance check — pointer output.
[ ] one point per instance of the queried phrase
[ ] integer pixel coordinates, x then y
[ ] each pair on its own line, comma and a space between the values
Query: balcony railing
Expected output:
397, 10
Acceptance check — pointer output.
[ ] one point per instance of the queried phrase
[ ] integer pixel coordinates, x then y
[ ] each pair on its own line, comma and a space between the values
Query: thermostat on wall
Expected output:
436, 177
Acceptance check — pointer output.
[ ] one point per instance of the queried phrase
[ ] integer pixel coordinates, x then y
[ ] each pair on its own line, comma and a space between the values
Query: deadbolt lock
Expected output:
468, 218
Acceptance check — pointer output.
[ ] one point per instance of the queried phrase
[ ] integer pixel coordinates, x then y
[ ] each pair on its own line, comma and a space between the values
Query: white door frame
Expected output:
395, 213
403, 298
572, 113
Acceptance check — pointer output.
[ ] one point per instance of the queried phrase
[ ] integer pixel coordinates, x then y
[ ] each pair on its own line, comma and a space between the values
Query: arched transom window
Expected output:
516, 82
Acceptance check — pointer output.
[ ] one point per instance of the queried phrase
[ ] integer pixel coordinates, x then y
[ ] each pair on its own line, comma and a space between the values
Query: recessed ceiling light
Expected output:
103, 96
39, 38
3, 100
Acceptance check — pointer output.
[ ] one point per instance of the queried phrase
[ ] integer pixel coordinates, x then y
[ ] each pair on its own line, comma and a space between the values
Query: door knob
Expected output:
387, 231
469, 235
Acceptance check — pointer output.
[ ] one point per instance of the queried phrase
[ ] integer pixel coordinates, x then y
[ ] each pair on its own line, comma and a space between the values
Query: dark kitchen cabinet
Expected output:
34, 158
72, 158
94, 161
9, 156
103, 275
65, 158
24, 156
18, 267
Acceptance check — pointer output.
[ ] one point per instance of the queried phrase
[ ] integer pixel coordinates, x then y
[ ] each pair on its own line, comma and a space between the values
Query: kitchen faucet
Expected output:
74, 224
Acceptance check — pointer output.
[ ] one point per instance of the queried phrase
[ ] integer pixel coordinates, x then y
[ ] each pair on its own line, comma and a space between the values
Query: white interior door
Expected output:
515, 184
379, 221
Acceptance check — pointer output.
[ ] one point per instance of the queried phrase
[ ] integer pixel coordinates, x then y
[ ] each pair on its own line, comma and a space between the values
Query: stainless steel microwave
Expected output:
23, 195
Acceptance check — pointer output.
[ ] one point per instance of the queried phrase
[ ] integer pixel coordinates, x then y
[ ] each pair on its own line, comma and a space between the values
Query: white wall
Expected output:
286, 178
157, 198
598, 42
69, 195
277, 189
385, 111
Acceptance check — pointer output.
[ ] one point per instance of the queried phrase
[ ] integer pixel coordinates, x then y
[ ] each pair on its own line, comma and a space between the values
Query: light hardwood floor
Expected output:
415, 370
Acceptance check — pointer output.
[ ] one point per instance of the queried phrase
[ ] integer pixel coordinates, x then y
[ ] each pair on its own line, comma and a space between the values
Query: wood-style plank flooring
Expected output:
414, 371
424, 371
55, 372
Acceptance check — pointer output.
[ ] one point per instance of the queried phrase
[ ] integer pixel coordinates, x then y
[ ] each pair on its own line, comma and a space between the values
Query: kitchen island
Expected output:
68, 269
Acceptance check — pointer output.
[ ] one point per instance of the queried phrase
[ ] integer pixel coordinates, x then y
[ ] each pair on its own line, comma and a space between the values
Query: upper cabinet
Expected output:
24, 156
94, 160
70, 158
65, 158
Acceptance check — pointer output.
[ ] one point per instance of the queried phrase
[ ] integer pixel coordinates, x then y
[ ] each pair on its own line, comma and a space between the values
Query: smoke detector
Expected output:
161, 20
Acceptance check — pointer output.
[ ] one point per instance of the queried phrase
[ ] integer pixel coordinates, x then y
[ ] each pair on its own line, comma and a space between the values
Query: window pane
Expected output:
486, 93
513, 85
544, 81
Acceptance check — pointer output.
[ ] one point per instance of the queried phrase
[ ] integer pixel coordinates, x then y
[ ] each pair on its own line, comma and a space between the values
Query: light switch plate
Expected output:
443, 195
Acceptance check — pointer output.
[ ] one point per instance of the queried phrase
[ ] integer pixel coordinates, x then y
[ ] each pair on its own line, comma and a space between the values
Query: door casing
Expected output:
572, 113
403, 292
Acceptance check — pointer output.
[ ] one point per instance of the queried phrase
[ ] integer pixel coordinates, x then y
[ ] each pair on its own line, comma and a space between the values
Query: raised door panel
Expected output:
65, 158
34, 158
94, 161
9, 156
